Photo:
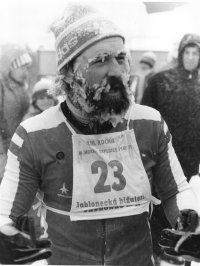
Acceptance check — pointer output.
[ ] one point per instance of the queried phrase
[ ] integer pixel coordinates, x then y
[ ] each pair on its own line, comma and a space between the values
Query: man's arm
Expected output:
175, 193
20, 181
18, 189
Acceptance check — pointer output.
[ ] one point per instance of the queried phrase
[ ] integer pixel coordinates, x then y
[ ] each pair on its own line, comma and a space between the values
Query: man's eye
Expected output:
98, 61
120, 59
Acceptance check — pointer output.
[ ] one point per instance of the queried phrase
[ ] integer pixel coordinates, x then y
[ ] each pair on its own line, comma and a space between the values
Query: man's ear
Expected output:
68, 74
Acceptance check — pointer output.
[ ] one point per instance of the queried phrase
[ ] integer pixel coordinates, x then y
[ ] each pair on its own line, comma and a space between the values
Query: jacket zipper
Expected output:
103, 241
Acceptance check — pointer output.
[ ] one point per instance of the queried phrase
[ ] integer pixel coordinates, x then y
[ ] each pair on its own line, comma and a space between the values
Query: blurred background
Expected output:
148, 26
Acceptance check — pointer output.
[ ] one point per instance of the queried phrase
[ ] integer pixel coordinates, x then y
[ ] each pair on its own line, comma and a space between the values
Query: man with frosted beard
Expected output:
91, 160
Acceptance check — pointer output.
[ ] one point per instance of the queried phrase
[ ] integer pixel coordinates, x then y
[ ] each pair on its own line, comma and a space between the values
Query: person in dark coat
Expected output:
14, 98
175, 93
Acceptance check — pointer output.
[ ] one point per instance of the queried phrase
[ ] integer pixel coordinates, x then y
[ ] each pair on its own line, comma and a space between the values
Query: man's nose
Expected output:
114, 68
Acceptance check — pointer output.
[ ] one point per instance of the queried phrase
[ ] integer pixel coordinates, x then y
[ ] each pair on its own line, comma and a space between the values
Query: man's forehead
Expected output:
106, 46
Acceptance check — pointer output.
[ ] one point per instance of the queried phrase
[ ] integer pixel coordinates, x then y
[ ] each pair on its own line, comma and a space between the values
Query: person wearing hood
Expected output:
14, 98
41, 100
92, 159
175, 93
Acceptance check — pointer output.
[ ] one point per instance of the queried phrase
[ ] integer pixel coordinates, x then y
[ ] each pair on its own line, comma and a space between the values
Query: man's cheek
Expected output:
92, 79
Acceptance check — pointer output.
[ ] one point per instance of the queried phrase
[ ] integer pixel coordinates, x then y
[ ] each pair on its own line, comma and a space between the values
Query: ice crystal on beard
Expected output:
97, 95
113, 118
58, 86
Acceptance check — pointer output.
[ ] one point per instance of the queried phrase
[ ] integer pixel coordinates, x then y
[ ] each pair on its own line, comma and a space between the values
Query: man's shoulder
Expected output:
50, 118
143, 112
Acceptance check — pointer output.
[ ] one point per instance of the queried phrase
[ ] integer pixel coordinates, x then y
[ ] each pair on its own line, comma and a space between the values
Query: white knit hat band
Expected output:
22, 60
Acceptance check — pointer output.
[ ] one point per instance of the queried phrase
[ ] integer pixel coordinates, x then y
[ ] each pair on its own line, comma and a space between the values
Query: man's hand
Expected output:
184, 244
18, 244
188, 221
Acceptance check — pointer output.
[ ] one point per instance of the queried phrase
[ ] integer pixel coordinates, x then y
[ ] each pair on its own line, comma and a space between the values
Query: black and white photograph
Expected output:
99, 132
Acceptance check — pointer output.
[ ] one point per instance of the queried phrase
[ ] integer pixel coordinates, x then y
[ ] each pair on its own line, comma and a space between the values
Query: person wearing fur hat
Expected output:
40, 99
14, 99
91, 160
141, 76
175, 93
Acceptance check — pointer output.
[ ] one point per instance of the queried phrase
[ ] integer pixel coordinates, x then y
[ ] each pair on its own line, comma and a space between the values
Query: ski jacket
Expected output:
41, 157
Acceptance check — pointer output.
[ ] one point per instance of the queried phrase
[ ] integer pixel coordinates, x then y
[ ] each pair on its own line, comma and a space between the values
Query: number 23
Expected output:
100, 187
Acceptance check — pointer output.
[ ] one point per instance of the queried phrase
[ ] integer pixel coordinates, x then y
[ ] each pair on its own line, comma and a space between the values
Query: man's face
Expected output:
20, 74
191, 57
102, 74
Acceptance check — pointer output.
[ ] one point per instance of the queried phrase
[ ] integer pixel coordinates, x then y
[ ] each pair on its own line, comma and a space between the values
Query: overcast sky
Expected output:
29, 20
25, 19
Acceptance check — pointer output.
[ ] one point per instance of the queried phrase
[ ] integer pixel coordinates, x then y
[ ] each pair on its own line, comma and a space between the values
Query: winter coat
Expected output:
43, 152
14, 103
175, 93
14, 98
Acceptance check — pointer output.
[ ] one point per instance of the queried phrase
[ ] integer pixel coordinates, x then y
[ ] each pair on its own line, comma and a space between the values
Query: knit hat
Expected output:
13, 56
149, 58
40, 89
20, 61
80, 27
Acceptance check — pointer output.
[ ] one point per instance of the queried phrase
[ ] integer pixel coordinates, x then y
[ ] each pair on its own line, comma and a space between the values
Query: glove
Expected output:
18, 244
188, 221
184, 244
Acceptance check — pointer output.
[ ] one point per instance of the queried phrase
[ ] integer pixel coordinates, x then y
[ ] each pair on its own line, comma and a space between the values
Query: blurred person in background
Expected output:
175, 93
141, 76
92, 159
14, 98
40, 99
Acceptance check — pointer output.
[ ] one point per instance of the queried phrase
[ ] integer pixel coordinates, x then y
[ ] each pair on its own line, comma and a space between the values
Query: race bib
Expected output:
109, 179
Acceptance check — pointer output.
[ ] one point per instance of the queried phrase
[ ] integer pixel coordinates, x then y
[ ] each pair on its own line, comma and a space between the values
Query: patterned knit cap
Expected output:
13, 56
80, 27
20, 61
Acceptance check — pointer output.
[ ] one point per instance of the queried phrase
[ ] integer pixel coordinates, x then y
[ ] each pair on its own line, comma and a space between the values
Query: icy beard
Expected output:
97, 104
